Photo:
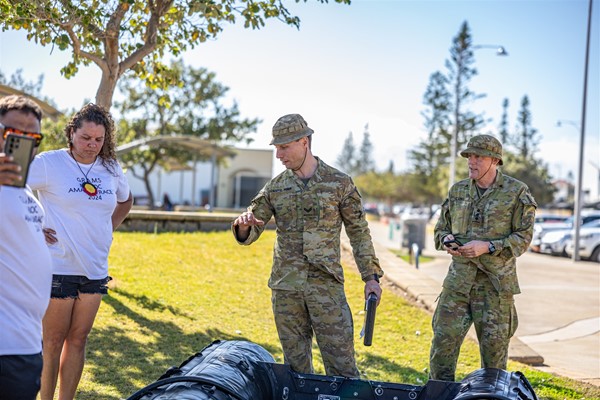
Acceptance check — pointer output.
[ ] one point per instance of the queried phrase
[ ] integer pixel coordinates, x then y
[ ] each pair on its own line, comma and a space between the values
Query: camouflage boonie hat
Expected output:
484, 145
289, 128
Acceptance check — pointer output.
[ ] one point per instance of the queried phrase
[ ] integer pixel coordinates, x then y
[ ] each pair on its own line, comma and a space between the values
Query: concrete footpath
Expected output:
423, 285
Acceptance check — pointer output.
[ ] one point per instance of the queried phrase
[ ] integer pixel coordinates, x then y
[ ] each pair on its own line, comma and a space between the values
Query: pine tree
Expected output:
503, 128
430, 157
460, 72
365, 162
526, 139
347, 159
433, 153
523, 165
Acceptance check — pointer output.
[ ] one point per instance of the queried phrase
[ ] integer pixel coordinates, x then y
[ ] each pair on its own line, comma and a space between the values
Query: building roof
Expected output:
202, 147
48, 110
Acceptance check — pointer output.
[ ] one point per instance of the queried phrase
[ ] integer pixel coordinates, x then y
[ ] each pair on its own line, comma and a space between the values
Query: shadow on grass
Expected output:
151, 304
122, 365
371, 366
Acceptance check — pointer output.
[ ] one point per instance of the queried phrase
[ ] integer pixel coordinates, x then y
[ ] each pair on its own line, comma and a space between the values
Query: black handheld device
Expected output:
371, 308
453, 244
21, 149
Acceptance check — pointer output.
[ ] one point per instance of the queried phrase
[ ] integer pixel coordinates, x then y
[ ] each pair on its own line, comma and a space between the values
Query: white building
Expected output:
235, 183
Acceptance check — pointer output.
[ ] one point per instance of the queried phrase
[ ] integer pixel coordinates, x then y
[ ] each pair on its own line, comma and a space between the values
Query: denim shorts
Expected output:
69, 286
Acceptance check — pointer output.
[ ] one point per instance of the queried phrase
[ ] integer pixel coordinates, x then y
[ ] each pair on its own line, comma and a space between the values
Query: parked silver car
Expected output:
589, 242
542, 228
555, 241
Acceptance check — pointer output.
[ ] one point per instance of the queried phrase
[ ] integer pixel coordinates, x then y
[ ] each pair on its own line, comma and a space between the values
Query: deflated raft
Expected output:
242, 370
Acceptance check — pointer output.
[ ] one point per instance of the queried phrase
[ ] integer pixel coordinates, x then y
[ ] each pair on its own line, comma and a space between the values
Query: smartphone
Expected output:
21, 149
453, 244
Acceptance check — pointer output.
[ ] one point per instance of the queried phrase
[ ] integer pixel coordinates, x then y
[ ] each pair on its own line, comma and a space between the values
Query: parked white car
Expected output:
589, 242
541, 229
555, 242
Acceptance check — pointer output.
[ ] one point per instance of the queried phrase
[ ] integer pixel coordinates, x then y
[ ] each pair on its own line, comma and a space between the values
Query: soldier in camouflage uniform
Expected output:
310, 201
492, 215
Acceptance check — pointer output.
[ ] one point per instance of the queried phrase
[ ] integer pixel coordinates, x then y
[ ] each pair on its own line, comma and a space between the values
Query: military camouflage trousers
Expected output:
321, 308
495, 319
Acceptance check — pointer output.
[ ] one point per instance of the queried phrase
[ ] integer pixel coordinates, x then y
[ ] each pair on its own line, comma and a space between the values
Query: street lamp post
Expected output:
579, 191
581, 127
500, 51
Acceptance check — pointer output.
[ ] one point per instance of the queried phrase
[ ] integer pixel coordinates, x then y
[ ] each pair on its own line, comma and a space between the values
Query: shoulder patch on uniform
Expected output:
528, 199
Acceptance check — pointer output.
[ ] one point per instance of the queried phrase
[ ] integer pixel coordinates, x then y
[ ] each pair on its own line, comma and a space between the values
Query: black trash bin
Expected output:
413, 231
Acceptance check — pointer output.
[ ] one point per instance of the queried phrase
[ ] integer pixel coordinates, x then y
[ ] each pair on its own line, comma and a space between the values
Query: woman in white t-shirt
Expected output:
86, 197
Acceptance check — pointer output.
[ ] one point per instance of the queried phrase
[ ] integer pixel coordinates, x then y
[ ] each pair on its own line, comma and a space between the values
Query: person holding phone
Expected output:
485, 224
86, 197
25, 263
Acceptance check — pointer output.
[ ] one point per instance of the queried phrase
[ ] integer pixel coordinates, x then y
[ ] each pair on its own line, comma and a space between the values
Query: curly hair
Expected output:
20, 103
100, 116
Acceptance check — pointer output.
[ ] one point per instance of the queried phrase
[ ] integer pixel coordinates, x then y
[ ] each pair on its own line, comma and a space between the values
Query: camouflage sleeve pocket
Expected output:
528, 214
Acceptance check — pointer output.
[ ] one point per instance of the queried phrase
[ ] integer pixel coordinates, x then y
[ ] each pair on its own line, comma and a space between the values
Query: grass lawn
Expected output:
174, 293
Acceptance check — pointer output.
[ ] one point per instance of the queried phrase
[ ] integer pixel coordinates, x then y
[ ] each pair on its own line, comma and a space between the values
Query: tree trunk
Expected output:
149, 189
106, 90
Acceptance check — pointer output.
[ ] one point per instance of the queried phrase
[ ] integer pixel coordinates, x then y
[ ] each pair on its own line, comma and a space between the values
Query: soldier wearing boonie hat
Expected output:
310, 202
484, 145
489, 218
289, 128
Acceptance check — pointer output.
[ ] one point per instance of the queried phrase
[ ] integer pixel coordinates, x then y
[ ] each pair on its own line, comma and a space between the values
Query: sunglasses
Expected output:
37, 136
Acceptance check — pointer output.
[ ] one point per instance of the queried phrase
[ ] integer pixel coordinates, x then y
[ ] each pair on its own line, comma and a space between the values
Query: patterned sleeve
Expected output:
443, 227
522, 225
261, 208
358, 232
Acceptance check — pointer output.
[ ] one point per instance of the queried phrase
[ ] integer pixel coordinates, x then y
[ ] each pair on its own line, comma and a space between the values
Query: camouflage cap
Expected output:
484, 145
289, 128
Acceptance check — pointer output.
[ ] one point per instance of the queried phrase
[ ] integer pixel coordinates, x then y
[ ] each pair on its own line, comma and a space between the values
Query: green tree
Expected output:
526, 137
196, 110
522, 163
430, 157
448, 120
365, 162
121, 35
390, 167
503, 128
534, 172
347, 158
389, 188
460, 72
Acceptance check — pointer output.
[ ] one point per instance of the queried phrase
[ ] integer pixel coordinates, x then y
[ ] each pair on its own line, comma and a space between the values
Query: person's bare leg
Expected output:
73, 354
55, 326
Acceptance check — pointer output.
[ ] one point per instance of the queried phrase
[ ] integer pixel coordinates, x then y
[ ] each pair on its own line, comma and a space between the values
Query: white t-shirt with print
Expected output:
25, 272
82, 222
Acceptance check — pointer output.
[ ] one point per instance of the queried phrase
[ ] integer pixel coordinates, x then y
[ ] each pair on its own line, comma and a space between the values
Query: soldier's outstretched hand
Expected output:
247, 219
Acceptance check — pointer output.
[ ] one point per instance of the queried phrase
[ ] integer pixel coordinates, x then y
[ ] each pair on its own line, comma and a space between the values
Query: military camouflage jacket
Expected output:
308, 220
503, 215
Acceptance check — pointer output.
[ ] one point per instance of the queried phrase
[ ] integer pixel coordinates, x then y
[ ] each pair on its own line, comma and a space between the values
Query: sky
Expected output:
370, 63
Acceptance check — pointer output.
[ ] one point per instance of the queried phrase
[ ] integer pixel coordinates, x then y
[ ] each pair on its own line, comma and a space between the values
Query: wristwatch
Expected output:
491, 248
375, 278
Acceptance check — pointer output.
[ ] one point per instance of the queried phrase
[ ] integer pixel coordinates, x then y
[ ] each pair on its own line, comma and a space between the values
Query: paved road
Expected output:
559, 307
